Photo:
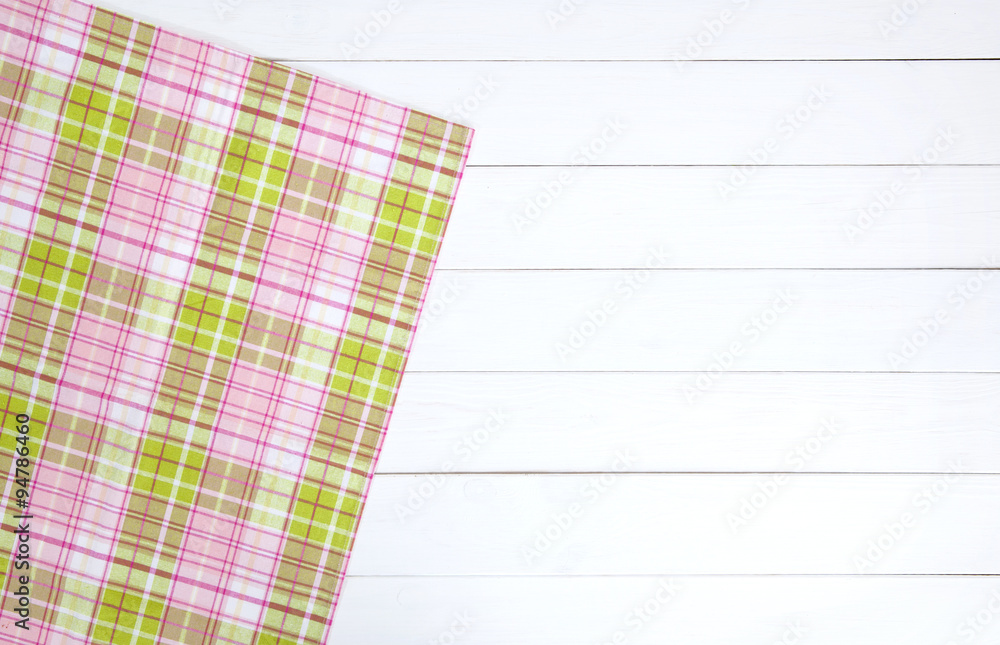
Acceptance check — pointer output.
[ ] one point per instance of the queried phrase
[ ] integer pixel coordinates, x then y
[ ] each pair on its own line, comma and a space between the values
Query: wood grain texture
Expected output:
802, 217
714, 113
524, 29
637, 524
726, 166
750, 422
871, 610
689, 321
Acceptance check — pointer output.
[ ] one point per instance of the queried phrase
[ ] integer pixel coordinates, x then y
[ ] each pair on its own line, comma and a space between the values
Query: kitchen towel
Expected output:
211, 268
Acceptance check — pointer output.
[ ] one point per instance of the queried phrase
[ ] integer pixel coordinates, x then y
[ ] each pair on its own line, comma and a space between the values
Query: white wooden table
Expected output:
711, 353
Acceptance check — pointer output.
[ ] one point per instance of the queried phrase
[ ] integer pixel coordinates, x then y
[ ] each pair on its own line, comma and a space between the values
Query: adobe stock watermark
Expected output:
459, 626
593, 320
751, 332
793, 633
587, 154
636, 618
870, 214
562, 12
786, 127
712, 29
767, 489
894, 531
973, 627
428, 486
365, 34
562, 521
225, 7
901, 14
444, 296
474, 100
928, 328
592, 150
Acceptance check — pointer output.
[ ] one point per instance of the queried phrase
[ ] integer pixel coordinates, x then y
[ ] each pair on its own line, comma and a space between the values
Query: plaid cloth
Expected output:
211, 268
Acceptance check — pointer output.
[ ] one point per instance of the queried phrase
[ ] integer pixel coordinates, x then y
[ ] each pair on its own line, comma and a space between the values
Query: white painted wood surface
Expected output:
749, 422
782, 320
710, 113
641, 524
877, 206
630, 30
706, 610
786, 217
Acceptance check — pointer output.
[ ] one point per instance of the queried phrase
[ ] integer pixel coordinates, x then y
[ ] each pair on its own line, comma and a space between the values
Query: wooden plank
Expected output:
648, 30
756, 422
748, 114
787, 217
705, 610
711, 322
633, 524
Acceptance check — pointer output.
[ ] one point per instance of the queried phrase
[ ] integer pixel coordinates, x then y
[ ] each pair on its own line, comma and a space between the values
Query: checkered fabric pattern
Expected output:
211, 269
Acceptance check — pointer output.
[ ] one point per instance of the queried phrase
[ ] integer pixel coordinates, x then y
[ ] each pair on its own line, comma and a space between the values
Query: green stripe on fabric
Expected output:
367, 369
59, 253
210, 322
